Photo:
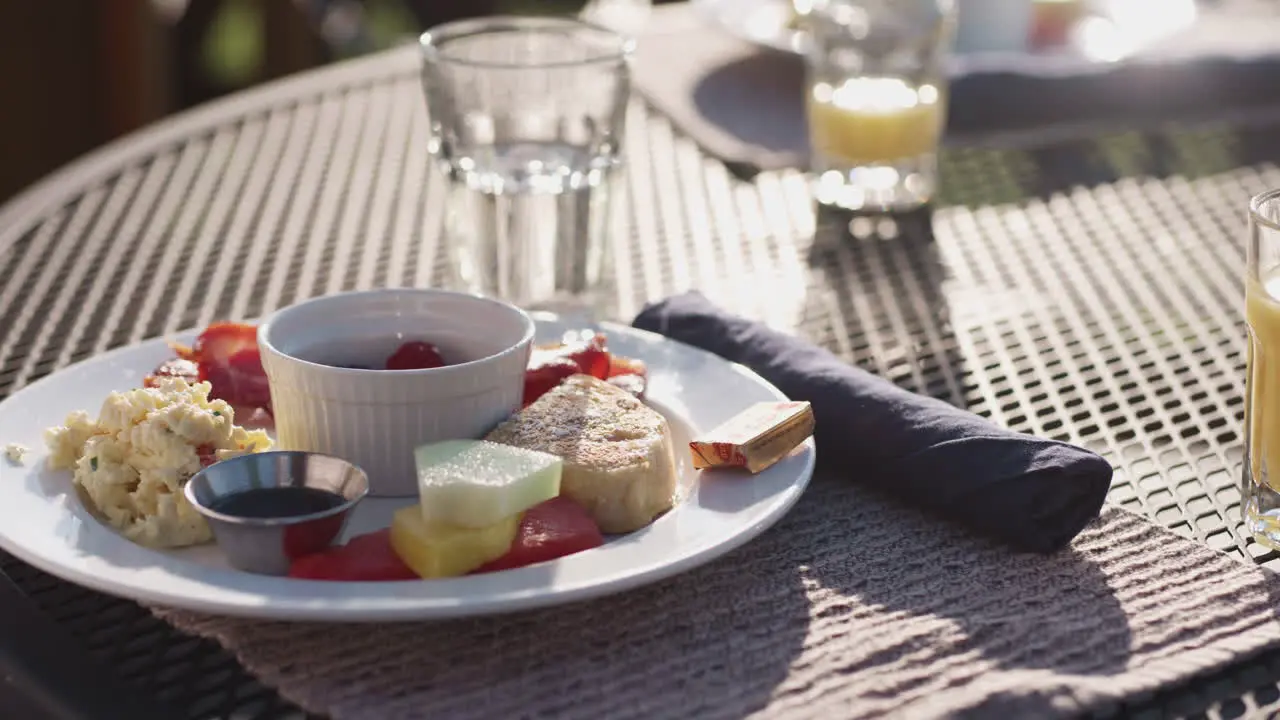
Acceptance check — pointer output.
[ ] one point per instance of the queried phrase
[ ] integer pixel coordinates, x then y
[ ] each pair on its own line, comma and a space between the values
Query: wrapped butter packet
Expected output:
755, 438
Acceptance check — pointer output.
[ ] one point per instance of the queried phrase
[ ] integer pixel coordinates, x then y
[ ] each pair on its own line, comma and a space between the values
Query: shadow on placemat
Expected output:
1018, 610
682, 647
876, 284
770, 83
850, 607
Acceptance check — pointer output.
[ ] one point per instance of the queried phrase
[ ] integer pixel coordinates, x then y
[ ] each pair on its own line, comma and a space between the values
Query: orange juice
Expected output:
1261, 489
1262, 310
1260, 484
874, 120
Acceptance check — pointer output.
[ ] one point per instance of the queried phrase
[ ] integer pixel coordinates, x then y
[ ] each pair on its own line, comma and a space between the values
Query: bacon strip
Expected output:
226, 355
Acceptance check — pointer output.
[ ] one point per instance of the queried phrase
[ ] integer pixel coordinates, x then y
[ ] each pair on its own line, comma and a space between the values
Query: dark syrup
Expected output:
277, 502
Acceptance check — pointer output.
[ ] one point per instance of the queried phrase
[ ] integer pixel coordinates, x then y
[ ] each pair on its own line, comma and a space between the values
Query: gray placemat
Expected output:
743, 104
850, 607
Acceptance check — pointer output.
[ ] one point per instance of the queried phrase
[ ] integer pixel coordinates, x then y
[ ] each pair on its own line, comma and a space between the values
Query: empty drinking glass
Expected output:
527, 119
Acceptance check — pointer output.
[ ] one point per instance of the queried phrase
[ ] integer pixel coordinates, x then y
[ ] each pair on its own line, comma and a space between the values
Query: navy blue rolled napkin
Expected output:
1032, 494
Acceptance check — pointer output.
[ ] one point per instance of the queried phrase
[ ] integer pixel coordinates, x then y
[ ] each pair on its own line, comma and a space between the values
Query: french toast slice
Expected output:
618, 454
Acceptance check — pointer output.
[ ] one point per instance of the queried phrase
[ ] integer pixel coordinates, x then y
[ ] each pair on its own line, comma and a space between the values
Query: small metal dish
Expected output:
266, 545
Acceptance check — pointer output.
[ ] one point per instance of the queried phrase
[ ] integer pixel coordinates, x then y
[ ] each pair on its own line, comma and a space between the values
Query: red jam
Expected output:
415, 355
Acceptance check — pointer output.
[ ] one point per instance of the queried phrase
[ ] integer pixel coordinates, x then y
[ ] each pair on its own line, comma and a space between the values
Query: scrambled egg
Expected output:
14, 453
134, 459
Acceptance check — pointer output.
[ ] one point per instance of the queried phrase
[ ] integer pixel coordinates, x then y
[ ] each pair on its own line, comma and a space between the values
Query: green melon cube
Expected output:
475, 483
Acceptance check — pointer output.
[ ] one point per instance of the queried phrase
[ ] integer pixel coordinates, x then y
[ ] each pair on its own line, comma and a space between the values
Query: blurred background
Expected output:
82, 72
79, 73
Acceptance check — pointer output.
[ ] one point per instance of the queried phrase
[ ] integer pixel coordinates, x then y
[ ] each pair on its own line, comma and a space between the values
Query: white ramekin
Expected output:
375, 418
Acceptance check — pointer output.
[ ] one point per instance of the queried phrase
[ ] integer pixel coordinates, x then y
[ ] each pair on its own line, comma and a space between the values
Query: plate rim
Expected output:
630, 578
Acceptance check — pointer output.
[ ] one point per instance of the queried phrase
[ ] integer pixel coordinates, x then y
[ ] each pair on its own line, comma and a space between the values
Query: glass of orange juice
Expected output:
876, 99
1261, 474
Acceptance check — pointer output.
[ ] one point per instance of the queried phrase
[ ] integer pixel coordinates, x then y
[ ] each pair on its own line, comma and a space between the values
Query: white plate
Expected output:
763, 22
43, 523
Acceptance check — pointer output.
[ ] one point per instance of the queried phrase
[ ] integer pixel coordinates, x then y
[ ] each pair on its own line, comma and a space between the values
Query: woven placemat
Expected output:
850, 607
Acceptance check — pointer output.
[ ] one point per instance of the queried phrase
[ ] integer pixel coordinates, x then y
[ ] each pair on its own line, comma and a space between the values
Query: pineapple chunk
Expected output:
475, 484
440, 550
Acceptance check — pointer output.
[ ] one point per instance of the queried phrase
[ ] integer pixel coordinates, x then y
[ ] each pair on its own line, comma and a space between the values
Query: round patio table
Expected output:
1131, 231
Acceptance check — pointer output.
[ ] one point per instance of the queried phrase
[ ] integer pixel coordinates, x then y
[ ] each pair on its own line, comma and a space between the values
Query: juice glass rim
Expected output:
433, 43
1257, 205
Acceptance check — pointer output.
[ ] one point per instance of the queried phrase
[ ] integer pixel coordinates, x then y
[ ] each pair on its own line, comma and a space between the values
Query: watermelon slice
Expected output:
550, 530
